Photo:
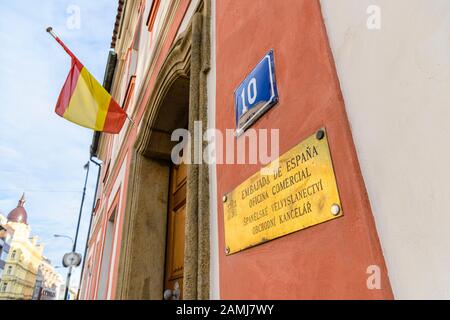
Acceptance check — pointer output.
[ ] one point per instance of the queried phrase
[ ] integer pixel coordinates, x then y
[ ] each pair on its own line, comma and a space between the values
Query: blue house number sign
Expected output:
256, 94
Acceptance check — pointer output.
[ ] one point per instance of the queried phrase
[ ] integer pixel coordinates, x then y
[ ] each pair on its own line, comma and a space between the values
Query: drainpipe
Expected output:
78, 230
99, 165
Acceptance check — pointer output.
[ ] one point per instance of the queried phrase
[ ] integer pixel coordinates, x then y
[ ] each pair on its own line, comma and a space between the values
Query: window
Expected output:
133, 53
105, 177
9, 270
13, 255
129, 93
152, 15
4, 286
106, 257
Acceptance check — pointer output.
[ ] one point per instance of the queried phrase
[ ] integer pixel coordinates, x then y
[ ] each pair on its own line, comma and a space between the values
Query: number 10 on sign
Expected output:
256, 94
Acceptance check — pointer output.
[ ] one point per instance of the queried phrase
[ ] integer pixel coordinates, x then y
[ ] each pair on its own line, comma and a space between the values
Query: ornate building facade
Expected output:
6, 234
24, 258
48, 282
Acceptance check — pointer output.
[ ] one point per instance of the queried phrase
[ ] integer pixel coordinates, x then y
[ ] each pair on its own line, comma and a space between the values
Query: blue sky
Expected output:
42, 154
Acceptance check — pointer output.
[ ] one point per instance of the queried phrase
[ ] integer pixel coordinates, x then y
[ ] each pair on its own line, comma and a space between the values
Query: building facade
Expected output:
349, 71
48, 282
24, 258
6, 234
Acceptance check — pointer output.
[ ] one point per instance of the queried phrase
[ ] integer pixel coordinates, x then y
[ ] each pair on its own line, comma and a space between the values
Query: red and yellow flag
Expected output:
84, 101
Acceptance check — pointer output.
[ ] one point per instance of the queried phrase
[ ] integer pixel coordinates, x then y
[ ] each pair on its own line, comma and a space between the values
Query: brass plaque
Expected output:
296, 191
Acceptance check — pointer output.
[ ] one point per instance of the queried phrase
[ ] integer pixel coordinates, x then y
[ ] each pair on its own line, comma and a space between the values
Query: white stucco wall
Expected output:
214, 230
396, 86
187, 16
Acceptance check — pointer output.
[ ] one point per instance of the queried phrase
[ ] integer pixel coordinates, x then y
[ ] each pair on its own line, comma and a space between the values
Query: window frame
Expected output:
152, 15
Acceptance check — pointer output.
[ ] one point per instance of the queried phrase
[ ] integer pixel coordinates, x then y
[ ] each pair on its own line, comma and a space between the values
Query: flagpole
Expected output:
53, 34
129, 118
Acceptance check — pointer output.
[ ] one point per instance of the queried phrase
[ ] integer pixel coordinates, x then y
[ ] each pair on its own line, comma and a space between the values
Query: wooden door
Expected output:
173, 282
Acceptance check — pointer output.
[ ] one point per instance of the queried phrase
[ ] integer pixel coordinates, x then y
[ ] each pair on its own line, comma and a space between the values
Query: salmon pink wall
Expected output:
329, 260
124, 154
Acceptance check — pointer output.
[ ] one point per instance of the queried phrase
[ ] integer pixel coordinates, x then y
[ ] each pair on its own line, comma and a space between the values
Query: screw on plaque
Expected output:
225, 198
335, 209
320, 134
227, 250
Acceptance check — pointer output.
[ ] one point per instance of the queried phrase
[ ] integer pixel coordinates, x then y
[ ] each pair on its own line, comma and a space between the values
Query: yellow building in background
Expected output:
48, 282
24, 258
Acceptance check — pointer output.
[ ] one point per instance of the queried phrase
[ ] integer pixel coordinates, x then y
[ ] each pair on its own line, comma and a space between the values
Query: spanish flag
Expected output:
84, 101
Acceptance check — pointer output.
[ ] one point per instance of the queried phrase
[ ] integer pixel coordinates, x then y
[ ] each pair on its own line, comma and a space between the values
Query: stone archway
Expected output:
180, 86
